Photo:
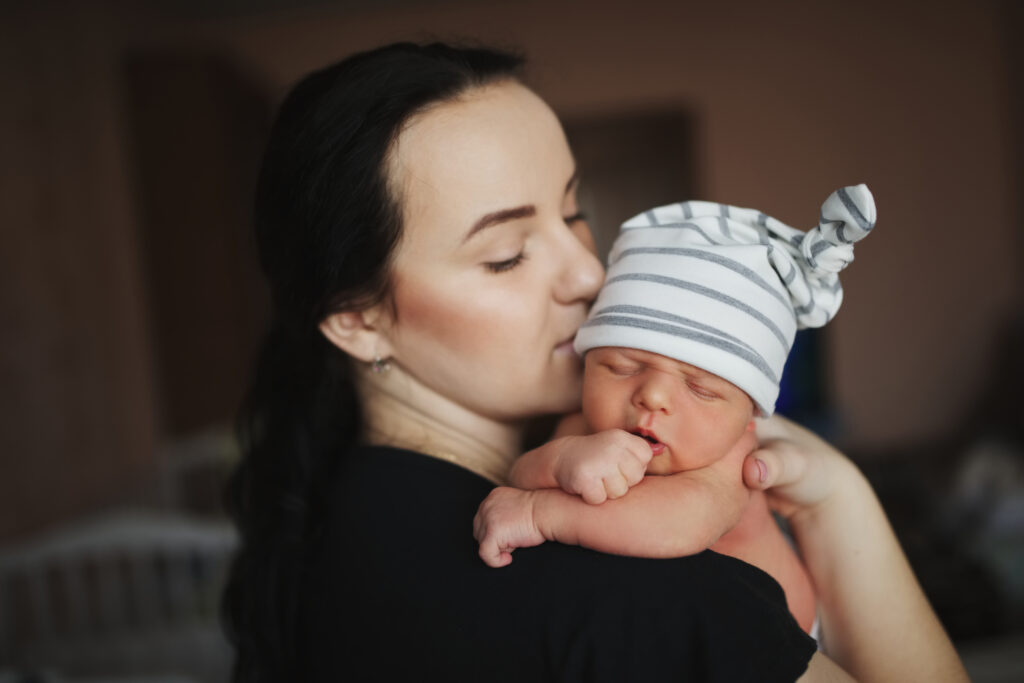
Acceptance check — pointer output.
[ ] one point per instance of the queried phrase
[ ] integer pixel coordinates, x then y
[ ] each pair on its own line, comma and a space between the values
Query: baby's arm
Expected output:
596, 467
663, 516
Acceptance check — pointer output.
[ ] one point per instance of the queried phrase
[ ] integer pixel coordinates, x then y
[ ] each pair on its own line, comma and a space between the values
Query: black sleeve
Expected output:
396, 591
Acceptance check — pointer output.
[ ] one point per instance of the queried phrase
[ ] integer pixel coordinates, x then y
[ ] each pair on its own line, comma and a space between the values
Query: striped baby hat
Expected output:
725, 288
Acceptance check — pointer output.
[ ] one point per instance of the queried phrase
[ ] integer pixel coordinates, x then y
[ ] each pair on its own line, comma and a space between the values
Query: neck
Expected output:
399, 411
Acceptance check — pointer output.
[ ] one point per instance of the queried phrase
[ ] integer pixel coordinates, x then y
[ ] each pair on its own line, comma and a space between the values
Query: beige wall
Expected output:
792, 101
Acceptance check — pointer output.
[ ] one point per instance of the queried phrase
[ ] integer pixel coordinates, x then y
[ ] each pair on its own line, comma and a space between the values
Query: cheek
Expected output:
728, 428
440, 317
700, 435
602, 404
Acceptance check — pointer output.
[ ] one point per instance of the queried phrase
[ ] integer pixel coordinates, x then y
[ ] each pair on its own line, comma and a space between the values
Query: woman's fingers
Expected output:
774, 464
796, 467
755, 472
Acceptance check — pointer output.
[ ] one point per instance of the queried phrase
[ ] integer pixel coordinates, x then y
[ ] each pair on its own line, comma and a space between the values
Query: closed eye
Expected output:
621, 370
575, 218
507, 265
701, 392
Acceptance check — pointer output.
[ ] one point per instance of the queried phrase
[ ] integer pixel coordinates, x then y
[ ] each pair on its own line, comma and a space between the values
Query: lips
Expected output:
565, 346
657, 447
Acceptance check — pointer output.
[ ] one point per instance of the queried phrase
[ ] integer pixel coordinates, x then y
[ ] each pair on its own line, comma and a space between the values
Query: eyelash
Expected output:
575, 218
702, 393
505, 266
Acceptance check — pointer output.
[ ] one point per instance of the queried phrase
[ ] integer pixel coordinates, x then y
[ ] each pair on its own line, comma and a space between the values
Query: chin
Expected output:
659, 467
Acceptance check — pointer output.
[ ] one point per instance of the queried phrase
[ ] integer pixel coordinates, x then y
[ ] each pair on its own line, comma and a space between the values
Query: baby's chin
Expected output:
671, 462
660, 465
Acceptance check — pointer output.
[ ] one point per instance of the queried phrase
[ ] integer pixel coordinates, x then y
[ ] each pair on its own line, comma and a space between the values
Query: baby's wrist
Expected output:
562, 466
539, 513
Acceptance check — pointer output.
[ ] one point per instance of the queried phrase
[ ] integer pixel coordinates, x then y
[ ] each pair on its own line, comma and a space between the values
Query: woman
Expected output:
417, 221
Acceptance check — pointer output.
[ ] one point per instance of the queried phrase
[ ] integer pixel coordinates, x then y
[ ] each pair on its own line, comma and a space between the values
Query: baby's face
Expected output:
691, 417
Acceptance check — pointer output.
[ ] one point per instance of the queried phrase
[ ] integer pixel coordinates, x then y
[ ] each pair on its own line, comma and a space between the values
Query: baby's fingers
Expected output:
491, 552
632, 471
594, 492
615, 486
642, 451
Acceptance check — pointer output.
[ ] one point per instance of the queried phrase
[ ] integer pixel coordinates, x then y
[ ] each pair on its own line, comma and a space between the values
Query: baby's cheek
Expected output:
596, 407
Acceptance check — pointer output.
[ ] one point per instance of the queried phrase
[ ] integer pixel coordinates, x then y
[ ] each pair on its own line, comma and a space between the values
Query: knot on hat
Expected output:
847, 216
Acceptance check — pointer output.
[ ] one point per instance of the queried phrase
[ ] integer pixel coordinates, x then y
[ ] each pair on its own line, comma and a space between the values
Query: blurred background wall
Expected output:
130, 134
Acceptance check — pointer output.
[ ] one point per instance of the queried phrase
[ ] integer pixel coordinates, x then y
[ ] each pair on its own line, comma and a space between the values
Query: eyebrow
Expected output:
506, 215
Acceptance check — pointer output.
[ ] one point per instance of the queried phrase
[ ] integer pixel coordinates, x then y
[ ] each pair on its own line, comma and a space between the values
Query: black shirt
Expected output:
396, 592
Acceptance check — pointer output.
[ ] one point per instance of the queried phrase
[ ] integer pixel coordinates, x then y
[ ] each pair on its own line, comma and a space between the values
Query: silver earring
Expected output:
380, 365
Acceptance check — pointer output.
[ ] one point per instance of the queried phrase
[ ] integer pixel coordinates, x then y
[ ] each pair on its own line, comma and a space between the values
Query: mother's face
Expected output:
495, 269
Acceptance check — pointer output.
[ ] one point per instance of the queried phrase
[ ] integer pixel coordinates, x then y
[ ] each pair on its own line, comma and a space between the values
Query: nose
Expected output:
581, 273
654, 393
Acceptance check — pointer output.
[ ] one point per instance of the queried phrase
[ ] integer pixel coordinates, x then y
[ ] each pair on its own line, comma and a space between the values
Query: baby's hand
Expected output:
504, 522
602, 466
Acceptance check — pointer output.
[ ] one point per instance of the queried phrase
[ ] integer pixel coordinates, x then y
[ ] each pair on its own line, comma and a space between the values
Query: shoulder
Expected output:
397, 563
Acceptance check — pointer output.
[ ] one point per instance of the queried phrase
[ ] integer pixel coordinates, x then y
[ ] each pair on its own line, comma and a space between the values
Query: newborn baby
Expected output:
684, 346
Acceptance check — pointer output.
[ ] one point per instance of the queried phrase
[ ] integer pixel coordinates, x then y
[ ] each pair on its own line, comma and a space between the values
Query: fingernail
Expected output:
762, 470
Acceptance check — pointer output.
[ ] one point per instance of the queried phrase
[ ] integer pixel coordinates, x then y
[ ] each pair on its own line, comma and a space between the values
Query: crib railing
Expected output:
129, 593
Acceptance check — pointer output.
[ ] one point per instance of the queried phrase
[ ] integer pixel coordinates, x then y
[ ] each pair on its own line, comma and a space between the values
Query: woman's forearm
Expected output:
876, 621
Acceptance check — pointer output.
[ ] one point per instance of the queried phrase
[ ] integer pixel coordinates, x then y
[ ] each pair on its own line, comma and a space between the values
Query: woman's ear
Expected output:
360, 334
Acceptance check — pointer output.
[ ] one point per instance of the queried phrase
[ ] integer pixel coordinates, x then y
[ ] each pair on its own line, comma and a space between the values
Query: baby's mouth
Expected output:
657, 447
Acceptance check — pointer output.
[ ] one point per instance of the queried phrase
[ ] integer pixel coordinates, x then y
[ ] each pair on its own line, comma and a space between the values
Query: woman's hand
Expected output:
504, 522
876, 622
796, 468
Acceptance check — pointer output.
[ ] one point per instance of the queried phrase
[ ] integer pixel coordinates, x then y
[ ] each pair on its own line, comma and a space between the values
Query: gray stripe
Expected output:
854, 210
672, 318
723, 224
819, 247
711, 294
687, 211
761, 228
721, 344
841, 234
791, 275
732, 265
804, 310
651, 217
835, 286
724, 210
683, 226
797, 239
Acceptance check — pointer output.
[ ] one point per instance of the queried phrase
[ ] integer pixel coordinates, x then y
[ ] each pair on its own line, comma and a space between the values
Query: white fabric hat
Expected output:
725, 288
